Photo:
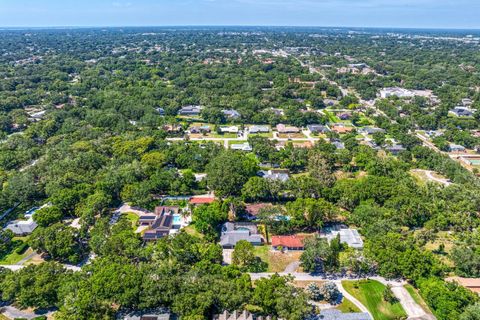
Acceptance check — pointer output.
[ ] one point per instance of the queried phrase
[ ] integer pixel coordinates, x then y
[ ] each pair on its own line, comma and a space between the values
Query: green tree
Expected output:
228, 172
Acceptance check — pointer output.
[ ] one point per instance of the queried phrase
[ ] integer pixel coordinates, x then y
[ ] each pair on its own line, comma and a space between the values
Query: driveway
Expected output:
413, 310
15, 313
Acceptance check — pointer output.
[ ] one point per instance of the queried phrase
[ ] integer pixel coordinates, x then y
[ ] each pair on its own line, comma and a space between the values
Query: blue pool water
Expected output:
177, 219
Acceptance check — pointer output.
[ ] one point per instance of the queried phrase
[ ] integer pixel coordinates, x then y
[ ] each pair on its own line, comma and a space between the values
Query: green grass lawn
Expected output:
264, 135
14, 257
230, 142
223, 135
133, 219
347, 306
262, 252
369, 293
417, 298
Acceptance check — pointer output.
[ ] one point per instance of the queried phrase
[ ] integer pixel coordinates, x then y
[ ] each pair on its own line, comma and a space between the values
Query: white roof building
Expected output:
242, 147
232, 129
351, 237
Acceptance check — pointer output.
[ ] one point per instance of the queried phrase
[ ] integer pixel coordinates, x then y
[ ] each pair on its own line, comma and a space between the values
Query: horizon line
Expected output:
235, 26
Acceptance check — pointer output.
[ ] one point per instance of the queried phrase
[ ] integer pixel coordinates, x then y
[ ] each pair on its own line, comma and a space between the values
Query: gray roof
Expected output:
234, 232
231, 113
255, 129
371, 130
318, 128
332, 314
339, 145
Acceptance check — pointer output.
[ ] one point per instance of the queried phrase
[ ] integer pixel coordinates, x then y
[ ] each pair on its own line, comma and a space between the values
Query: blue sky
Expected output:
360, 13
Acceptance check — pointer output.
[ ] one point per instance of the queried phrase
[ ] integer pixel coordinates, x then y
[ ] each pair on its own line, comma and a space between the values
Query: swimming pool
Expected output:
177, 219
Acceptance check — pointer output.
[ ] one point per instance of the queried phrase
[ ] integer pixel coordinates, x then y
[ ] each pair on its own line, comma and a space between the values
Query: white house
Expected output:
232, 129
23, 227
242, 147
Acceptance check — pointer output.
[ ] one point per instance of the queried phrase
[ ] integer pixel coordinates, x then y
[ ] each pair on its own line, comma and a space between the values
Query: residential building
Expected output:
239, 315
161, 223
241, 146
231, 129
234, 232
145, 315
231, 114
276, 174
200, 129
23, 227
397, 92
395, 149
199, 200
190, 111
281, 128
344, 116
339, 145
317, 128
456, 148
467, 102
469, 283
460, 111
259, 129
341, 128
333, 314
293, 242
371, 144
351, 237
371, 130
161, 111
254, 209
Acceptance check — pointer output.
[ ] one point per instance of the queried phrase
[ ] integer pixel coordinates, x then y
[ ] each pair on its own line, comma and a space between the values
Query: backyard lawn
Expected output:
277, 261
15, 257
369, 293
347, 306
133, 217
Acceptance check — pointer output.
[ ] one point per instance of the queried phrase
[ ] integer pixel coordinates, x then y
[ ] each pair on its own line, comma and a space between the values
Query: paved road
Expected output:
13, 313
14, 267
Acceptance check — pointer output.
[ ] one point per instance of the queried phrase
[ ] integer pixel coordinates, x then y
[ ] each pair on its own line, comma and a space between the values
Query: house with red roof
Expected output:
293, 242
198, 200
